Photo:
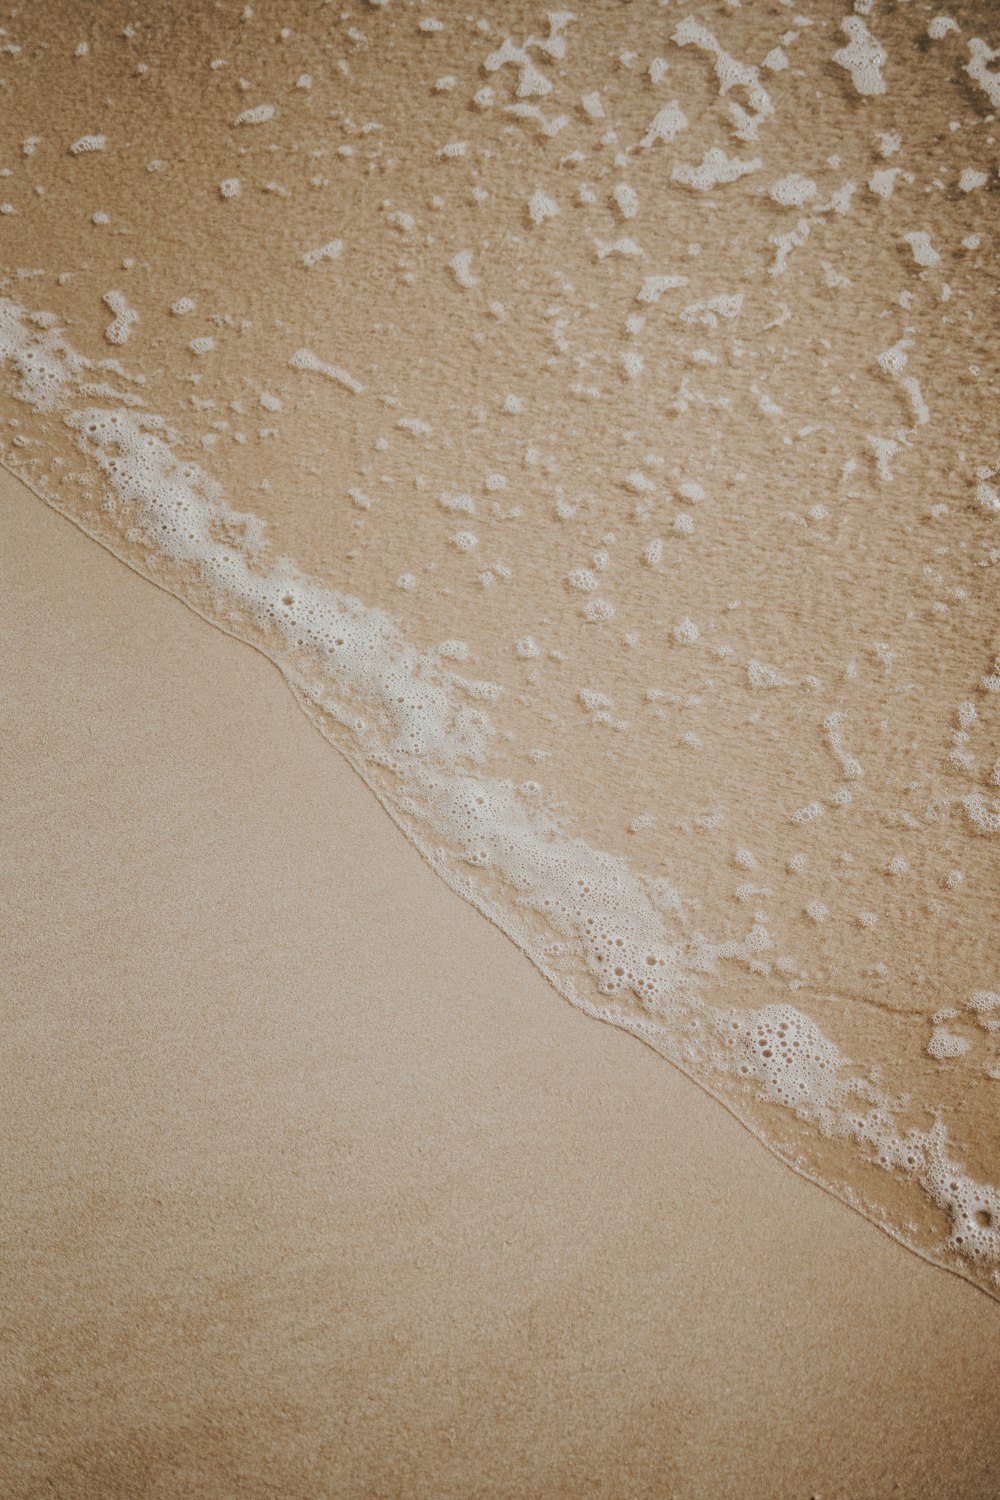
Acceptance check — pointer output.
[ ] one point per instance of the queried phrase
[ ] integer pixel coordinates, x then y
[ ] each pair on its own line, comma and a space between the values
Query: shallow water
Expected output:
594, 417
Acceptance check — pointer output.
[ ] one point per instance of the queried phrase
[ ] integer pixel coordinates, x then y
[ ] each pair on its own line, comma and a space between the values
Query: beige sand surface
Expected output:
312, 1187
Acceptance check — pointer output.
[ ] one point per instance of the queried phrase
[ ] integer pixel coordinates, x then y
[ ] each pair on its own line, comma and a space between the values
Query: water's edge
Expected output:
493, 914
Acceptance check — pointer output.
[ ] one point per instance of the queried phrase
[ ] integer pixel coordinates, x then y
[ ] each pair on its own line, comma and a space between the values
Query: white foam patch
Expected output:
622, 246
863, 58
259, 115
332, 250
883, 181
939, 27
727, 305
541, 207
945, 1044
716, 168
87, 144
793, 191
924, 253
531, 81
849, 764
983, 813
653, 287
626, 200
667, 123
461, 266
731, 74
304, 359
980, 69
125, 318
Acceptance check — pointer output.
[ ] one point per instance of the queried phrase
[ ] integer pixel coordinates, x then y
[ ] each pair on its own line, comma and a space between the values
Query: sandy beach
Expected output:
313, 1187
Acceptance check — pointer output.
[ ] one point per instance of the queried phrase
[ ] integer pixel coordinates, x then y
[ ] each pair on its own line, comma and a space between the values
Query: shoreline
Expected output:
317, 1186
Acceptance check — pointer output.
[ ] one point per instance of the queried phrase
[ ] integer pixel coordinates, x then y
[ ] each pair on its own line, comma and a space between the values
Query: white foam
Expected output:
461, 265
983, 1003
541, 207
667, 123
863, 58
304, 359
793, 191
727, 305
884, 449
548, 126
946, 1044
626, 200
716, 168
731, 74
883, 181
416, 426
983, 814
849, 764
125, 318
463, 503
87, 144
332, 250
258, 115
924, 253
979, 69
622, 246
653, 287
583, 578
939, 27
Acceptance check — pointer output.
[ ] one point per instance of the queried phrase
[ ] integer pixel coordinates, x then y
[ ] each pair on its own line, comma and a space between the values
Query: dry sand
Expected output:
313, 1187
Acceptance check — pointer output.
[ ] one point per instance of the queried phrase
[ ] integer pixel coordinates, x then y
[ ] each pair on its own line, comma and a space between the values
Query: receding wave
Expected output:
590, 415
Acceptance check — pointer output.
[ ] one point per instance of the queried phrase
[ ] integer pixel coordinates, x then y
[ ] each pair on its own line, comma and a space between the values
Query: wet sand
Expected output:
312, 1186
630, 523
